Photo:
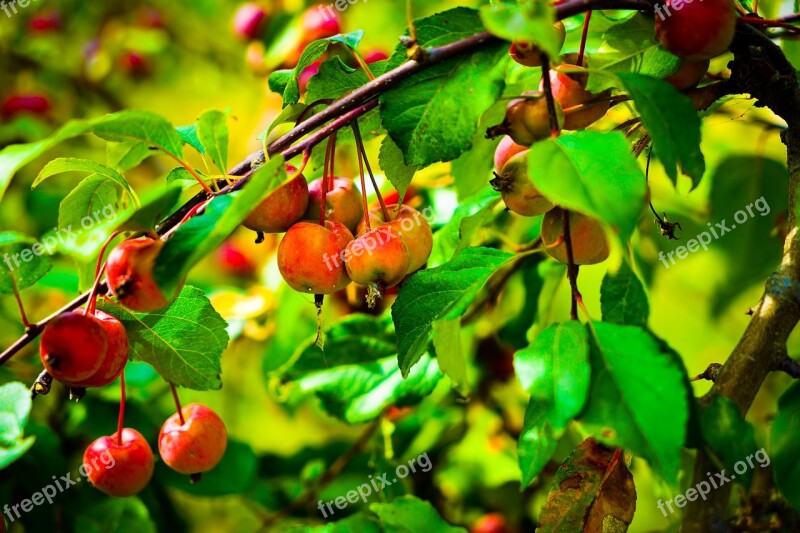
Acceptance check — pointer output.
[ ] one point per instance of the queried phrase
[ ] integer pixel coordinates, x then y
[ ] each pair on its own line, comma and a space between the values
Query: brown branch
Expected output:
761, 70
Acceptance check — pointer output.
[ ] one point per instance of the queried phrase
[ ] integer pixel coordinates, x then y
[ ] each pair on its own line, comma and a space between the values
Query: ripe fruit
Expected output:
119, 470
412, 226
491, 523
233, 259
308, 73
45, 21
319, 22
283, 207
527, 120
696, 30
310, 257
505, 151
130, 275
375, 55
115, 357
195, 446
518, 192
35, 104
248, 21
530, 55
134, 64
569, 90
73, 346
589, 244
688, 73
379, 256
343, 202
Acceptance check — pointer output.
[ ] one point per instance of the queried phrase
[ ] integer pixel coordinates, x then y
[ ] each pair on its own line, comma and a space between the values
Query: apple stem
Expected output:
22, 314
177, 402
572, 269
363, 185
194, 174
548, 95
586, 18
325, 181
303, 164
361, 63
98, 273
360, 145
121, 419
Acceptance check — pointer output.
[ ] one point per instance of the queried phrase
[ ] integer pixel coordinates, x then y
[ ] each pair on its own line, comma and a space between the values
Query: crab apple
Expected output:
35, 104
234, 260
696, 30
589, 244
283, 207
491, 523
505, 151
530, 55
46, 21
527, 120
310, 257
116, 356
134, 64
342, 201
379, 256
518, 192
197, 445
74, 346
688, 73
130, 275
319, 22
409, 224
248, 20
569, 90
308, 73
375, 55
119, 470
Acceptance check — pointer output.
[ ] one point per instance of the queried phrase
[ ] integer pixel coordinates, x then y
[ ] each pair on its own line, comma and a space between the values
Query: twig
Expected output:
790, 366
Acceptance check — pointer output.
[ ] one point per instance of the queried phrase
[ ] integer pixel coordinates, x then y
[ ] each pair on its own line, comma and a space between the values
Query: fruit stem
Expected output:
363, 184
412, 30
22, 314
98, 272
758, 21
613, 100
361, 63
572, 268
177, 402
586, 18
360, 145
121, 419
303, 163
326, 178
193, 172
548, 95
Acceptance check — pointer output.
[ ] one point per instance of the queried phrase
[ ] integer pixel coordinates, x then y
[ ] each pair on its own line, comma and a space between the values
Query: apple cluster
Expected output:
89, 348
325, 220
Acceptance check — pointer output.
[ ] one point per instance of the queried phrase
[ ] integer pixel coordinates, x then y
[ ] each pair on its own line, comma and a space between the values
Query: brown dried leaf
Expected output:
592, 492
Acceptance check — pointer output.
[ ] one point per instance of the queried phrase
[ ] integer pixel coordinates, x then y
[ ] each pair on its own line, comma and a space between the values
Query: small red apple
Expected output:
116, 469
197, 445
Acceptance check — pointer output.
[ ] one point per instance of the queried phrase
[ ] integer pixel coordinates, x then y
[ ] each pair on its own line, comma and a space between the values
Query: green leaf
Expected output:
189, 136
22, 261
630, 47
360, 392
354, 339
785, 445
121, 515
433, 115
286, 82
591, 172
622, 298
184, 342
128, 154
638, 398
390, 159
140, 125
467, 219
289, 114
212, 132
84, 242
672, 121
409, 514
530, 21
472, 170
730, 436
357, 523
450, 355
442, 292
202, 234
554, 370
96, 195
69, 164
333, 80
15, 406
